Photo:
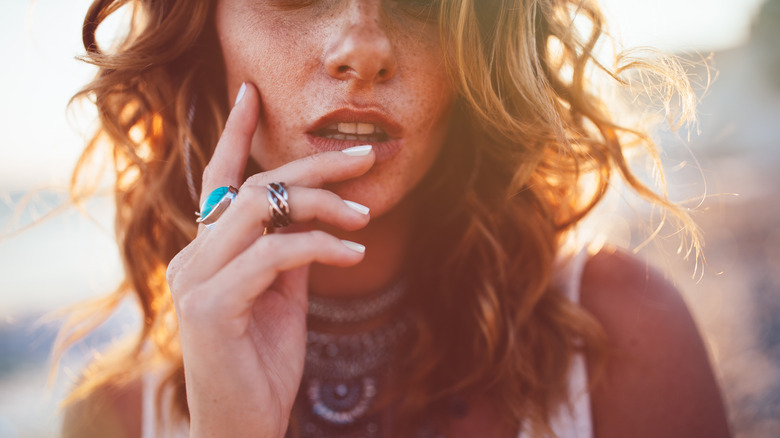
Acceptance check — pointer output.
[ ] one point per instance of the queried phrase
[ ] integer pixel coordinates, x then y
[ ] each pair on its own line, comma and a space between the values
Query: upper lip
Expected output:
350, 115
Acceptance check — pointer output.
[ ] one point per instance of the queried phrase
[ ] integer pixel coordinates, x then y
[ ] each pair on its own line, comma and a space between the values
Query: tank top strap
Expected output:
572, 419
156, 421
148, 406
569, 274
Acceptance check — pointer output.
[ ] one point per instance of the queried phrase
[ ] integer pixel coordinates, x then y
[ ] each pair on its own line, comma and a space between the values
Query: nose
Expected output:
360, 48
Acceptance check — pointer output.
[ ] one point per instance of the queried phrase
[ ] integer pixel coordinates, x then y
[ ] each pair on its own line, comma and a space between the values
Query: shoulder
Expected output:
106, 412
627, 294
658, 380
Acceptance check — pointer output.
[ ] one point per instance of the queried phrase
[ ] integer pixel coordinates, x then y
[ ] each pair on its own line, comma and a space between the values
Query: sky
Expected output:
682, 24
40, 141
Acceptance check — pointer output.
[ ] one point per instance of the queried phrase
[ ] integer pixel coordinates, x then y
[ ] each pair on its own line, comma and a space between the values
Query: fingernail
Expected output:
362, 209
358, 151
354, 246
241, 92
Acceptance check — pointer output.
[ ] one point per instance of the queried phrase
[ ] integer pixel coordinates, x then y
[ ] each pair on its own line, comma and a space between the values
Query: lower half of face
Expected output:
401, 162
311, 104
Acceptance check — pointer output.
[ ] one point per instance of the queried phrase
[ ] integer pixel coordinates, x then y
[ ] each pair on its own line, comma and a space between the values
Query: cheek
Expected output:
433, 99
272, 145
278, 69
258, 48
427, 81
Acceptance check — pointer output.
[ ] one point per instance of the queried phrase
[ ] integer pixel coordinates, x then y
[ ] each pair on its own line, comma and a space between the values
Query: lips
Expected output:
346, 128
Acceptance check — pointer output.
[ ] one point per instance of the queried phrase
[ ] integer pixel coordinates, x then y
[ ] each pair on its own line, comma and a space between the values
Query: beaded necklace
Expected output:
344, 373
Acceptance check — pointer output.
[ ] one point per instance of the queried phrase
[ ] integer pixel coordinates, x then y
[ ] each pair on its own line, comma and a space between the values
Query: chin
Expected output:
379, 196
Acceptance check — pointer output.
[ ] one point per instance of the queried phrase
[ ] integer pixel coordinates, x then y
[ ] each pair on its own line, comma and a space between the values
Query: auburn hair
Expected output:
532, 128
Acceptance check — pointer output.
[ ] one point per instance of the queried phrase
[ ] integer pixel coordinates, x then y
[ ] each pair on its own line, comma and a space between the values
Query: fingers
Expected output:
246, 219
256, 268
228, 162
250, 211
319, 169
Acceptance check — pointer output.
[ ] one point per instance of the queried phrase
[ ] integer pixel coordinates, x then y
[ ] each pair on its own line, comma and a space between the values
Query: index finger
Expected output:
228, 162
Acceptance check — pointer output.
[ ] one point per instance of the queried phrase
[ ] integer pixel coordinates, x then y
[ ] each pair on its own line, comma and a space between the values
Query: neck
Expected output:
387, 240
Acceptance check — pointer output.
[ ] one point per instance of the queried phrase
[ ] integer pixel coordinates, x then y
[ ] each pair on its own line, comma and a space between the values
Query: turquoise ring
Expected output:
215, 204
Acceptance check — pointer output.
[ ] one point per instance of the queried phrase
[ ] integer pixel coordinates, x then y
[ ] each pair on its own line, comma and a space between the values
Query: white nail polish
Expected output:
358, 151
241, 92
362, 209
354, 246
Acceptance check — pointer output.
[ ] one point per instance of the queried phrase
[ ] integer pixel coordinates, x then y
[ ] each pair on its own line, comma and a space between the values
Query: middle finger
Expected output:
248, 216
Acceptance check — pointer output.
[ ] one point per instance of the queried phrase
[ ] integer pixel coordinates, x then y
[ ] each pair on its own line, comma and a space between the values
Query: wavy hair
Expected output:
533, 127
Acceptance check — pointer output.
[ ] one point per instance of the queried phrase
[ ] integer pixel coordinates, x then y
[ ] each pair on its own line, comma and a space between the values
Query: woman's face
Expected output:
333, 74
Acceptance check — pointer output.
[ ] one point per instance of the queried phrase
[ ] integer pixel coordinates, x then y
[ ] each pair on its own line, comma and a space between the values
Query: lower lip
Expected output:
384, 150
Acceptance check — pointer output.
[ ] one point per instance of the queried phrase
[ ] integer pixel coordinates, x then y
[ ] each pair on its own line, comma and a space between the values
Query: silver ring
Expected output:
278, 207
215, 204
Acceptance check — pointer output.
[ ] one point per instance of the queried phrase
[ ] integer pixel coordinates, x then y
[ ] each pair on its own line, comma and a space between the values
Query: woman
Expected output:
450, 139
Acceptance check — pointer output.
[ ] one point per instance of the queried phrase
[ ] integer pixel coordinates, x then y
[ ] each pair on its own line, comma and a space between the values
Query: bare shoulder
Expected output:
107, 412
658, 379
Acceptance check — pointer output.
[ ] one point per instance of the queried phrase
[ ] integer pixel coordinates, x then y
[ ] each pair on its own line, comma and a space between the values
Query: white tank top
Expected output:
573, 419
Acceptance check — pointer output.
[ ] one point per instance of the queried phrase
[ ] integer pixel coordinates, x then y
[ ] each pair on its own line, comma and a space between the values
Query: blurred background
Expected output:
727, 166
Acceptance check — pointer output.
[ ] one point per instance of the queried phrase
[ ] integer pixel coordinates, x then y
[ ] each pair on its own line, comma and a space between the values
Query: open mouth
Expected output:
349, 127
357, 131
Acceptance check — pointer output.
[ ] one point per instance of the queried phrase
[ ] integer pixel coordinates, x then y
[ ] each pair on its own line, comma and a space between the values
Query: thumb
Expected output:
295, 285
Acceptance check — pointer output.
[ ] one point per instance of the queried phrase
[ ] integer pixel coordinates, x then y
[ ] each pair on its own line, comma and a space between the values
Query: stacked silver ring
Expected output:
278, 207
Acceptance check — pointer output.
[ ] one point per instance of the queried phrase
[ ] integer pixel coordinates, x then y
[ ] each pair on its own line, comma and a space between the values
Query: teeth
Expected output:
353, 131
356, 128
365, 128
347, 128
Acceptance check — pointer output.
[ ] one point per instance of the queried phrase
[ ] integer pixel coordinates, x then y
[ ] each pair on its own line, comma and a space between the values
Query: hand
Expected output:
241, 296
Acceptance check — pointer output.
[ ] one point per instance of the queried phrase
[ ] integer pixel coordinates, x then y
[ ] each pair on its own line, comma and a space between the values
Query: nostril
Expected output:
382, 73
343, 69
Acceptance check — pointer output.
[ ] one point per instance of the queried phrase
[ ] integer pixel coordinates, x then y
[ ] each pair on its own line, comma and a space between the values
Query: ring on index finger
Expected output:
215, 205
278, 207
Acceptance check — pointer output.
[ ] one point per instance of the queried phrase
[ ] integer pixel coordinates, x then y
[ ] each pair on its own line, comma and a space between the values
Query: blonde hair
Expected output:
531, 127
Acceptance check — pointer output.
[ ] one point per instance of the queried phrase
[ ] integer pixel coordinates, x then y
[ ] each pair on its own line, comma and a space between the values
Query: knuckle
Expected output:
175, 267
324, 202
318, 163
269, 250
178, 285
179, 272
170, 273
314, 158
247, 195
256, 180
200, 303
319, 237
268, 244
250, 200
190, 306
329, 196
320, 192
